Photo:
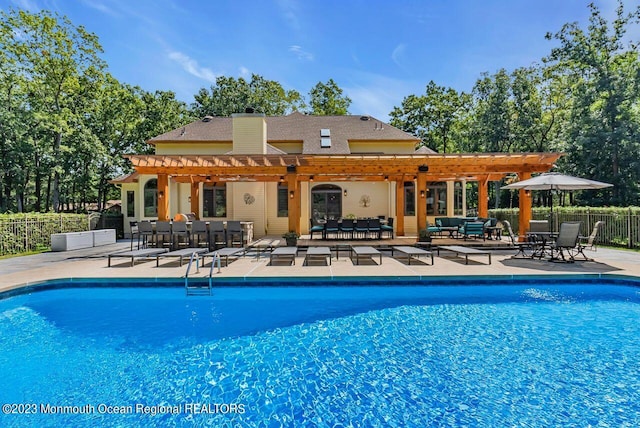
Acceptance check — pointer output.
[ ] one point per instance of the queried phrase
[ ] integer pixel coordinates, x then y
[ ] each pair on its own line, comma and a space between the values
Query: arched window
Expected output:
151, 198
326, 201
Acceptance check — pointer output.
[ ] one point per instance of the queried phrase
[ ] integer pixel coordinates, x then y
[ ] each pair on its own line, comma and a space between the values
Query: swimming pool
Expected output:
451, 351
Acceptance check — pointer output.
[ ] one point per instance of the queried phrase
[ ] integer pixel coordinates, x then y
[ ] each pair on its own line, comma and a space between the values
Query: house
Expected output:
279, 172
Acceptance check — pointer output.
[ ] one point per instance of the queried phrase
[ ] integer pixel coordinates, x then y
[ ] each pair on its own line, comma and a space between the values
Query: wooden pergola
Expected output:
294, 169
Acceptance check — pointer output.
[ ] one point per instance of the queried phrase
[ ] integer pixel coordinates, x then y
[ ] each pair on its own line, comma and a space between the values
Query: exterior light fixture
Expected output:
281, 178
291, 168
291, 194
422, 194
161, 194
345, 193
311, 178
386, 178
423, 168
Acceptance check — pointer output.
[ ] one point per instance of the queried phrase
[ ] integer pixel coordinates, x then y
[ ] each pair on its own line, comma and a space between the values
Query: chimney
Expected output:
249, 133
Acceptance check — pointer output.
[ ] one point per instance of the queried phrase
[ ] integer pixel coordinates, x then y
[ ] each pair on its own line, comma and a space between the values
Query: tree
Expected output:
326, 99
434, 117
601, 72
52, 57
230, 95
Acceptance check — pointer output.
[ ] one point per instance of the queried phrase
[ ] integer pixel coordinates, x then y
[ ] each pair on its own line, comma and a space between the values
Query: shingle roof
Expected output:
295, 127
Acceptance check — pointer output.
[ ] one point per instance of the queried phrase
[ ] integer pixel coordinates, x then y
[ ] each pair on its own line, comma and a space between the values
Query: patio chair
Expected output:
566, 244
388, 228
589, 242
362, 228
217, 235
347, 227
374, 228
199, 230
331, 227
521, 246
135, 233
315, 227
472, 228
234, 230
179, 234
145, 233
163, 229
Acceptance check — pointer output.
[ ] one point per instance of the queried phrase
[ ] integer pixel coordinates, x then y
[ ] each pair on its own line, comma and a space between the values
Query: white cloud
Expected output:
376, 95
26, 4
100, 6
244, 72
191, 66
398, 54
289, 10
300, 53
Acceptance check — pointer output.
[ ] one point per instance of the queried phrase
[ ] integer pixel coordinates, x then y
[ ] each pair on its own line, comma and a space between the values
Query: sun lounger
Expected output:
225, 252
181, 254
318, 253
365, 251
145, 253
284, 253
411, 252
466, 251
263, 246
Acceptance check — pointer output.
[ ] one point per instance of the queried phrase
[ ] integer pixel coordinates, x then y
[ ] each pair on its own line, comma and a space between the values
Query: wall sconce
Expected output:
422, 194
311, 178
345, 193
291, 194
161, 194
281, 179
386, 178
189, 199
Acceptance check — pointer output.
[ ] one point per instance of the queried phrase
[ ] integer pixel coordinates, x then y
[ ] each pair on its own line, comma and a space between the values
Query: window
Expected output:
131, 203
283, 200
409, 198
457, 195
215, 200
151, 198
437, 199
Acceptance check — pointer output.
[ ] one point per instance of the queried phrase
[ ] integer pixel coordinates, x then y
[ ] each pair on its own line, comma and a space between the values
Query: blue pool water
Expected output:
526, 353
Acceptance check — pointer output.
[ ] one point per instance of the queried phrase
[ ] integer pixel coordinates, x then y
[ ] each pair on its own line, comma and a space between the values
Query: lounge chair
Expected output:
180, 254
145, 253
284, 253
314, 253
364, 251
225, 252
566, 244
521, 246
262, 246
465, 251
411, 252
589, 242
472, 228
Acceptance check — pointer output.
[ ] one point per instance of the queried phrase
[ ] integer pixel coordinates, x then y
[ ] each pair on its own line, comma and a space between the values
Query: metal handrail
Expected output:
186, 275
216, 257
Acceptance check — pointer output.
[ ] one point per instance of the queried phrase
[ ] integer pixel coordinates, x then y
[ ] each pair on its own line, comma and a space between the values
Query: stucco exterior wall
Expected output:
193, 148
393, 147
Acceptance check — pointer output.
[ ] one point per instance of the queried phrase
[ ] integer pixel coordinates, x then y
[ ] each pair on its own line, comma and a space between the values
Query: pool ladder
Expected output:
198, 289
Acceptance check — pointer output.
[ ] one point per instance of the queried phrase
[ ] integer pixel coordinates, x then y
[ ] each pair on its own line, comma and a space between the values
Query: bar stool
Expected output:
234, 229
198, 230
163, 228
217, 235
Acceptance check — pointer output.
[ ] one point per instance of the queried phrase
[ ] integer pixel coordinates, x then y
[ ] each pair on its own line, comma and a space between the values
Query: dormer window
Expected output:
325, 138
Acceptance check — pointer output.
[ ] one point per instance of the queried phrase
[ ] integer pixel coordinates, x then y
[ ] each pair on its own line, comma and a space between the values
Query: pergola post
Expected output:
421, 197
483, 197
524, 206
163, 197
400, 207
195, 199
293, 190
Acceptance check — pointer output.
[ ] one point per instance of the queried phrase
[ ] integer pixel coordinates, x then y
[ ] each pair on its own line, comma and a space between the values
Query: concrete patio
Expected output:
92, 263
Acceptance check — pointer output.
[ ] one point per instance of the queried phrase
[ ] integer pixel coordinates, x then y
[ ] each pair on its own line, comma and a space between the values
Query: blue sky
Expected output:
378, 51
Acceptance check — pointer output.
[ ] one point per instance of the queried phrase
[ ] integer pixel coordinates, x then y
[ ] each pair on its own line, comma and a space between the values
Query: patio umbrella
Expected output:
556, 181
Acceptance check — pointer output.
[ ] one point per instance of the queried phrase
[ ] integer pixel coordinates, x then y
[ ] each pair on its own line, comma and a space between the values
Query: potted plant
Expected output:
292, 238
424, 236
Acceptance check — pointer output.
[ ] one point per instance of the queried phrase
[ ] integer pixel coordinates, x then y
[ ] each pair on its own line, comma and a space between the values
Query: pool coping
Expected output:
299, 282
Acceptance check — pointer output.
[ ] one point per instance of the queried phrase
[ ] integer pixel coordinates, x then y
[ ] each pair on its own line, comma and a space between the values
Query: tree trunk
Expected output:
56, 175
48, 197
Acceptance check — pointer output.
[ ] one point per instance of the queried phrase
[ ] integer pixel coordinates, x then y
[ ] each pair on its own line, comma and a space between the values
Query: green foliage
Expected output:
229, 95
435, 117
22, 233
326, 99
